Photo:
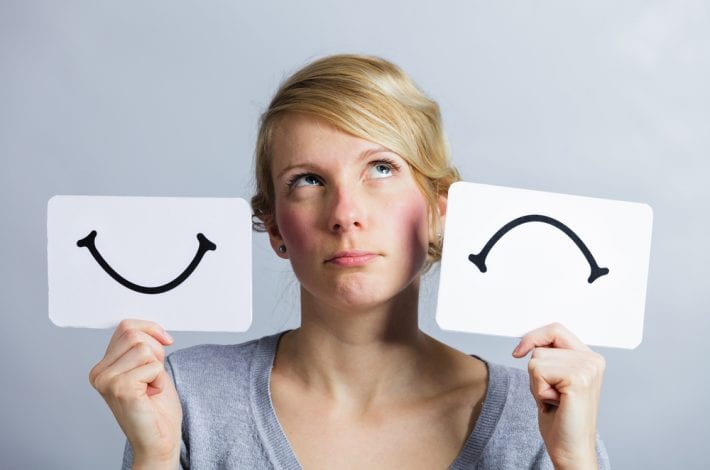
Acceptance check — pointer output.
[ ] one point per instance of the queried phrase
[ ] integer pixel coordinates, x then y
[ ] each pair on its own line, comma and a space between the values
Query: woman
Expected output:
352, 176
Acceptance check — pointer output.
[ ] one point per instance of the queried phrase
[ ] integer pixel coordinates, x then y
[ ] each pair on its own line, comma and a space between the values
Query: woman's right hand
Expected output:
132, 379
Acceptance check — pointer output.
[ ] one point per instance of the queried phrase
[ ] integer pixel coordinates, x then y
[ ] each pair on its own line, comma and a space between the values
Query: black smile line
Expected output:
480, 259
89, 241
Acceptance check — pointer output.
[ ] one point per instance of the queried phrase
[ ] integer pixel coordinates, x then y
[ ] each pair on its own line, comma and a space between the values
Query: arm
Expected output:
133, 381
565, 381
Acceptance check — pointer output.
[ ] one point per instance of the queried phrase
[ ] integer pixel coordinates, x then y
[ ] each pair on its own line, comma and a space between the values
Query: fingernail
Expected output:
167, 336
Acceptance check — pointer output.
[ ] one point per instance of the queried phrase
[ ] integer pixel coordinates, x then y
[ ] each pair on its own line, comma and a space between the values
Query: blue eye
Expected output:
382, 169
304, 180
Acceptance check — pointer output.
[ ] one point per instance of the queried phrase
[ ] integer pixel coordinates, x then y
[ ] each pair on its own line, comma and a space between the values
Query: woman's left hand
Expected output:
565, 380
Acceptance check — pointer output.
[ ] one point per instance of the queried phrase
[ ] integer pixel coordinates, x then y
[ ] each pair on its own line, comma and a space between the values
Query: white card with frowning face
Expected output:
514, 260
182, 262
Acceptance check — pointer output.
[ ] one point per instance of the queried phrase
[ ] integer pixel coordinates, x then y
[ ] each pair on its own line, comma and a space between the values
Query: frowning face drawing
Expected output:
479, 259
515, 259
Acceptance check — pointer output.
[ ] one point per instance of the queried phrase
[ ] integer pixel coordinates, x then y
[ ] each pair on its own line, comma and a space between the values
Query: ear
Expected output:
276, 240
442, 204
437, 225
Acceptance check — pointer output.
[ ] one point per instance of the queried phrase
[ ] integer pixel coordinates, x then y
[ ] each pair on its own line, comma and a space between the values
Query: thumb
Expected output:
159, 384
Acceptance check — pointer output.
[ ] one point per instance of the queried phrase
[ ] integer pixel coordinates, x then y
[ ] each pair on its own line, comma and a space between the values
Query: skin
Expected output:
133, 381
358, 385
366, 377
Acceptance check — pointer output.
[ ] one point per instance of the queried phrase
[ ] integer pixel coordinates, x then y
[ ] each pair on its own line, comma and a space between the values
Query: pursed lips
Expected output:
351, 258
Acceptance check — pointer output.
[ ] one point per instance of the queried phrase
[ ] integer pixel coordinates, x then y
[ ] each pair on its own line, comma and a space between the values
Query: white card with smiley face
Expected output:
514, 260
182, 262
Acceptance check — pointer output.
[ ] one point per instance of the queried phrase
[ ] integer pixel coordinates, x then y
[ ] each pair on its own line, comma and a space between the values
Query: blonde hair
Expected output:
369, 98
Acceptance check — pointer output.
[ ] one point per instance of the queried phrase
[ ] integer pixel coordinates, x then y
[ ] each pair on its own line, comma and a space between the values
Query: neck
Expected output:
358, 357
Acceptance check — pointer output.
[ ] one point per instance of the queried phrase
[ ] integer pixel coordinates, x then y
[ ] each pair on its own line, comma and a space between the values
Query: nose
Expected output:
347, 211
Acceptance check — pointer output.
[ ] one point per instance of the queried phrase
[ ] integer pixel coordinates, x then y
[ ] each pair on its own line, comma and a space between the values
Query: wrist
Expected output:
577, 463
167, 462
582, 456
155, 465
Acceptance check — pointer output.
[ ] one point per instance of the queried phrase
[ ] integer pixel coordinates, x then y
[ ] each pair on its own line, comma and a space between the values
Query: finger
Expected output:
557, 372
545, 395
572, 357
132, 384
151, 328
550, 405
554, 335
159, 384
568, 362
146, 374
138, 355
124, 343
141, 378
542, 387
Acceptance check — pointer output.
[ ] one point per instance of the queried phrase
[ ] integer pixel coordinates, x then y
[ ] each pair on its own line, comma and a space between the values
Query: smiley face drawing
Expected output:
111, 258
205, 245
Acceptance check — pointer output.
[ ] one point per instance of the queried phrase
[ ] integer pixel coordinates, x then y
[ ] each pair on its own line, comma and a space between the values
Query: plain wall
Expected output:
161, 98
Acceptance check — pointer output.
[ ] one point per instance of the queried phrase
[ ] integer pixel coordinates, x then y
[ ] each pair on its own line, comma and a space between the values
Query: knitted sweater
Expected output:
229, 421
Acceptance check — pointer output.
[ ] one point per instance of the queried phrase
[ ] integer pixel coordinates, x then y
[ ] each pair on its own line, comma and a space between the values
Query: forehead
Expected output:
302, 136
304, 140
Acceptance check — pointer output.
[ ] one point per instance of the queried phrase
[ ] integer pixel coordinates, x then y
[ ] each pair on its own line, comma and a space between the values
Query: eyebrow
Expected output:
364, 154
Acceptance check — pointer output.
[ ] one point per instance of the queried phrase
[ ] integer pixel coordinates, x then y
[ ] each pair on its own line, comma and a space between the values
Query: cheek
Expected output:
409, 218
295, 228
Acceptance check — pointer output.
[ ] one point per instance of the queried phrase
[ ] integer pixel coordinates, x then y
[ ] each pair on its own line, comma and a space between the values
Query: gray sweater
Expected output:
229, 421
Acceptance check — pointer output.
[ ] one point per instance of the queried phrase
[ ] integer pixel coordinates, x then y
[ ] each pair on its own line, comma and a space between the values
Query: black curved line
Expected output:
480, 259
89, 241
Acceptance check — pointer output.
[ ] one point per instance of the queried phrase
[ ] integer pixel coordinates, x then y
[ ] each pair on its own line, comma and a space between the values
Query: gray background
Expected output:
604, 99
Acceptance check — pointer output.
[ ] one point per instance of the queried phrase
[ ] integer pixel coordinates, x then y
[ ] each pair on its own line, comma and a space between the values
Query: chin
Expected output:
362, 294
357, 294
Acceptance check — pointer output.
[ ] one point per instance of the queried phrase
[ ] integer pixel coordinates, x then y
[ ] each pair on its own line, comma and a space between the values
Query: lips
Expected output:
352, 258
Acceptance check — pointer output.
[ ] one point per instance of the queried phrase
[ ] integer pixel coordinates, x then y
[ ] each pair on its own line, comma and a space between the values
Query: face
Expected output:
353, 220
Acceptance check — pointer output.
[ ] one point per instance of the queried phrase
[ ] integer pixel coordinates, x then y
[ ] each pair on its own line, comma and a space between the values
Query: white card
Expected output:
514, 260
182, 262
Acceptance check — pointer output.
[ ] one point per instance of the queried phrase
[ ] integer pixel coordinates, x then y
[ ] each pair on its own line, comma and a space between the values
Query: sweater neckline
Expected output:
277, 446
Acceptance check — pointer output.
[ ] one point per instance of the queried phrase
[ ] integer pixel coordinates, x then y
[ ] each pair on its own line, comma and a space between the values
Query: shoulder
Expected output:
516, 384
216, 356
507, 431
511, 417
509, 396
214, 367
220, 399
